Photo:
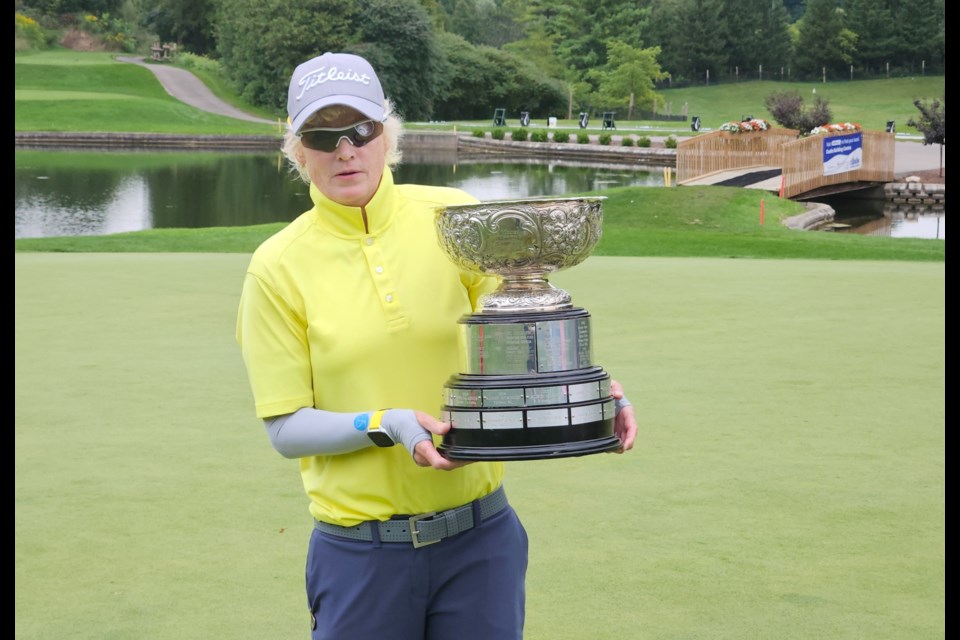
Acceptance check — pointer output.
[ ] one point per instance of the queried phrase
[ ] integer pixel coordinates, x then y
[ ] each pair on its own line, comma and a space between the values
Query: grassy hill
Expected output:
90, 91
870, 102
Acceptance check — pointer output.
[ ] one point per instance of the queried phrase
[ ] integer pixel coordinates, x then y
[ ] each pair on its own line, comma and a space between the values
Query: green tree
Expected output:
876, 33
487, 22
539, 48
932, 123
186, 22
465, 74
475, 80
565, 24
262, 41
763, 40
437, 13
788, 110
397, 37
823, 42
62, 7
628, 77
795, 8
580, 29
921, 34
464, 20
693, 36
502, 21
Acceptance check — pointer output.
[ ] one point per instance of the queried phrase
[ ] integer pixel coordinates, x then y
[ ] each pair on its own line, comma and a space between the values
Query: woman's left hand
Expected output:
625, 424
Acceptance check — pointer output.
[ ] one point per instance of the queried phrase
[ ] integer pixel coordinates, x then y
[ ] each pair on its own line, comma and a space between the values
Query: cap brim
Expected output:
370, 109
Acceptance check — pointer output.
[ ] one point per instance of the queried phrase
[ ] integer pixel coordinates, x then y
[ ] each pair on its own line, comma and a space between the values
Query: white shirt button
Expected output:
369, 241
379, 269
389, 297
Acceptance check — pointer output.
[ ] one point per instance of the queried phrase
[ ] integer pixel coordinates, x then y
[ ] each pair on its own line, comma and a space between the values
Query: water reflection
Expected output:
490, 178
69, 192
94, 193
876, 216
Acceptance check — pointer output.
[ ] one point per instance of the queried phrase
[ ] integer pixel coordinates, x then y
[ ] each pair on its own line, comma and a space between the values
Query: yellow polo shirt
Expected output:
338, 318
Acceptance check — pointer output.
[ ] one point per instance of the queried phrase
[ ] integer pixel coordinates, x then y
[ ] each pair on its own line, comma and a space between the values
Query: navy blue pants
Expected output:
470, 586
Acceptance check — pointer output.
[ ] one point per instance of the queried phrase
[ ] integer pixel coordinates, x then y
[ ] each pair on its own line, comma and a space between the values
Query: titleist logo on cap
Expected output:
329, 74
332, 79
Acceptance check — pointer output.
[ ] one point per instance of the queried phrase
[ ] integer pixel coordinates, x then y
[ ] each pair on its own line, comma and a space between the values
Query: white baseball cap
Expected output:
334, 78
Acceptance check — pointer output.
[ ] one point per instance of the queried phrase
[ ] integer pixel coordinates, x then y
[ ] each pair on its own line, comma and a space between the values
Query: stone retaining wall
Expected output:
593, 152
817, 214
113, 140
915, 193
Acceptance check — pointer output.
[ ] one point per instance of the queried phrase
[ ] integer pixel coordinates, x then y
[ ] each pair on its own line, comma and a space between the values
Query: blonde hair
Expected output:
292, 148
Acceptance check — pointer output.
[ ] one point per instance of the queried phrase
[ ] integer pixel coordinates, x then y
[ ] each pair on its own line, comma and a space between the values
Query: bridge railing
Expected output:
723, 151
802, 162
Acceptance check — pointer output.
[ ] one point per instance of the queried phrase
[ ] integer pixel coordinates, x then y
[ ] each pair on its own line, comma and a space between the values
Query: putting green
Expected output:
788, 482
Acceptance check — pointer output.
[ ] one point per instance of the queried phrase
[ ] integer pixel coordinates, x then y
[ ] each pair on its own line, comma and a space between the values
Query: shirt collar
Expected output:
343, 220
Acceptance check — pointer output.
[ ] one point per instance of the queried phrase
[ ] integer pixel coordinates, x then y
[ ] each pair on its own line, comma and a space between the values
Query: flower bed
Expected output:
747, 126
840, 127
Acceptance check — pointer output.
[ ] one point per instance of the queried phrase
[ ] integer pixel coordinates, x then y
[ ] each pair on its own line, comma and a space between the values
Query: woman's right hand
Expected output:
415, 430
425, 453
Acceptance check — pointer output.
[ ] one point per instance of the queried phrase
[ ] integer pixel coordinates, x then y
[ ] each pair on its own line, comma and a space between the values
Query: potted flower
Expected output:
839, 127
747, 126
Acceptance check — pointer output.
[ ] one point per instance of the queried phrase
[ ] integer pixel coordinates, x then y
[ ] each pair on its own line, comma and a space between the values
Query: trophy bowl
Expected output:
522, 241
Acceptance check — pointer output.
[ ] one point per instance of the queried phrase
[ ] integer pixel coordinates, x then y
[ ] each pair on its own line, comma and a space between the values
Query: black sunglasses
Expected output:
328, 140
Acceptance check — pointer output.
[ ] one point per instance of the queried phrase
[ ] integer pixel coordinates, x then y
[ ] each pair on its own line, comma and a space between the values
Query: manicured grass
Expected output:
788, 481
53, 93
870, 102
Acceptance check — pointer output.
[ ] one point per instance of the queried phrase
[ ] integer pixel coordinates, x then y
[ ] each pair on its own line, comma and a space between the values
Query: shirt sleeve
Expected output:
273, 342
478, 285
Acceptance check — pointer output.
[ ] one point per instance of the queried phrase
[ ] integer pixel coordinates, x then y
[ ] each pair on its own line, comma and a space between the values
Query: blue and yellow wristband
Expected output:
375, 433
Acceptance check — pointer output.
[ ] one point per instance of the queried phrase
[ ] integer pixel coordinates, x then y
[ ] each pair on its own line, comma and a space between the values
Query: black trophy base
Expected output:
531, 452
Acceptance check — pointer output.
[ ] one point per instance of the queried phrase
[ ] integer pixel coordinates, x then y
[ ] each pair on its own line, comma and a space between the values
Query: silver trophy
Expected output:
527, 386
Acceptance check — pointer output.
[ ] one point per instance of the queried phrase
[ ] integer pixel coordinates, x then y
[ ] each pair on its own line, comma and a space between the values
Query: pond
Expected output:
877, 217
69, 192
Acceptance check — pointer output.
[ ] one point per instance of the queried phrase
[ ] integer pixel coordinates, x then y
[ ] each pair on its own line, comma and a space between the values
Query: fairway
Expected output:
788, 480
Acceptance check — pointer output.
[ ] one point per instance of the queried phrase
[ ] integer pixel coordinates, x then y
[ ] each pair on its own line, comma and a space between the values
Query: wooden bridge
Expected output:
777, 160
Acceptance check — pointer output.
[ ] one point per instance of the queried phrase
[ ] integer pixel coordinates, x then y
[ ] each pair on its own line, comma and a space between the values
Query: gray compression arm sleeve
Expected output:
313, 432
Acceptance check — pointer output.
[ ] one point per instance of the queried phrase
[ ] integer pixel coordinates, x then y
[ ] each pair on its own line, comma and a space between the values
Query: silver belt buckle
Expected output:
414, 534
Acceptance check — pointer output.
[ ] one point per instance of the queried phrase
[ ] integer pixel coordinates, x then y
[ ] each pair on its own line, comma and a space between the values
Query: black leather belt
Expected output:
425, 528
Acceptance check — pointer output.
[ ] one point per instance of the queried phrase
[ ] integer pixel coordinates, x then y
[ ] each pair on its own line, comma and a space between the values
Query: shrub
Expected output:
583, 138
605, 138
643, 141
670, 143
497, 134
561, 136
200, 63
29, 32
932, 121
117, 34
627, 141
519, 135
479, 133
788, 110
539, 136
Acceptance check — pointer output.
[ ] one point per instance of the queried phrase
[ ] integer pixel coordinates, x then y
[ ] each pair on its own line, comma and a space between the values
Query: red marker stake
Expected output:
761, 211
